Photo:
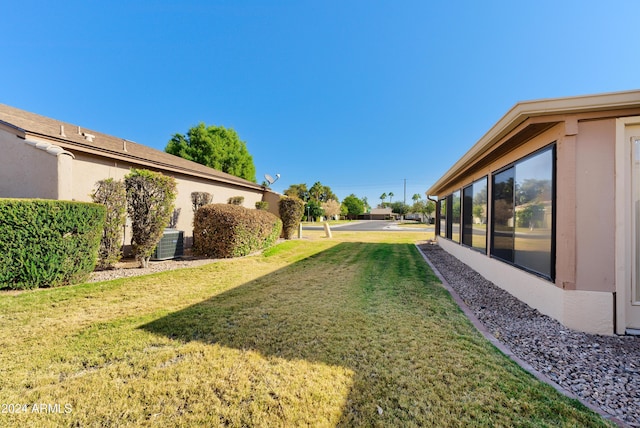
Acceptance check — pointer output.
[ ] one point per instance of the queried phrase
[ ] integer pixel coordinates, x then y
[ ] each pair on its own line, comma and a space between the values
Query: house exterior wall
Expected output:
89, 169
273, 199
582, 294
27, 172
595, 206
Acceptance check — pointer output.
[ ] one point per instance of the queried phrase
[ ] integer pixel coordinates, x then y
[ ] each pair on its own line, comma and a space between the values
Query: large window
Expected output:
522, 219
455, 217
474, 215
442, 206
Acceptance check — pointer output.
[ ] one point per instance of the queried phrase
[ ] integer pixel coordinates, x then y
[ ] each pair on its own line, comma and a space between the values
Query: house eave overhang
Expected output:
536, 111
129, 158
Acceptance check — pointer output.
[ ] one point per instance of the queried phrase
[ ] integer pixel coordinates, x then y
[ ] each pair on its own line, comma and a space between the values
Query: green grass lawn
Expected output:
349, 331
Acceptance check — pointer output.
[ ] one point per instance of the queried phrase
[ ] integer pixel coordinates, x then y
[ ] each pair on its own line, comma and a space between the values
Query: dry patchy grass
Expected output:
352, 331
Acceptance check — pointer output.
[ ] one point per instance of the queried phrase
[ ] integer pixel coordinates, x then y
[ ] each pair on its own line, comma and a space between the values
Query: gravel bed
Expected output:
602, 370
130, 268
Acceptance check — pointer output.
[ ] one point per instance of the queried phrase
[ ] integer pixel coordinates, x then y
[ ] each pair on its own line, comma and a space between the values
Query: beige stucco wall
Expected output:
88, 169
582, 295
26, 172
588, 311
595, 205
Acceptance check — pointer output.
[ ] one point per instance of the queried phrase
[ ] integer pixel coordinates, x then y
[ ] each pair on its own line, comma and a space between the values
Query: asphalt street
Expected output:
367, 226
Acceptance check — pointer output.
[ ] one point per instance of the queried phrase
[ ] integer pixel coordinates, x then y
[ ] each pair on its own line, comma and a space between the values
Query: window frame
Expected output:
464, 215
552, 251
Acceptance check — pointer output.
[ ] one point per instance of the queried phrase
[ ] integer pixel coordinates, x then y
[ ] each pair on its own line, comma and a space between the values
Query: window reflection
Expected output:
443, 217
502, 244
534, 212
474, 213
455, 216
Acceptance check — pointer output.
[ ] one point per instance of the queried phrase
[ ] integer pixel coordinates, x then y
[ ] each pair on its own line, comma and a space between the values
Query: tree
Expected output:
216, 147
365, 201
331, 208
150, 197
429, 208
314, 209
382, 198
298, 191
391, 195
416, 197
113, 196
399, 208
424, 208
321, 193
354, 206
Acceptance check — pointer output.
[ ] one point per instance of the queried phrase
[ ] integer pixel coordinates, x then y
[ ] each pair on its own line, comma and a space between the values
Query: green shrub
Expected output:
236, 200
46, 243
150, 197
262, 205
224, 231
291, 211
200, 199
113, 196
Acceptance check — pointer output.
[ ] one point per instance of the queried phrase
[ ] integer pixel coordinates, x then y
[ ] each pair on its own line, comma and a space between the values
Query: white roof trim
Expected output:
52, 149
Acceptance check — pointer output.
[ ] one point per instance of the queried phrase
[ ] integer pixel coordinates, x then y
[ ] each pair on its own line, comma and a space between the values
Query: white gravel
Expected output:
602, 370
128, 269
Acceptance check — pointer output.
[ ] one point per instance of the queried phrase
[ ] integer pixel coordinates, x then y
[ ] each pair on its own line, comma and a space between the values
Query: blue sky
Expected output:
359, 95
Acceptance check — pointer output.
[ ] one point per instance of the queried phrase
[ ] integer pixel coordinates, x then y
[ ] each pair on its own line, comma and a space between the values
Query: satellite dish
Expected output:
270, 179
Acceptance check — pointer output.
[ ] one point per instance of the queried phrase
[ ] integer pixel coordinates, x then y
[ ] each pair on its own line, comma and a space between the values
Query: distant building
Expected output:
377, 214
546, 205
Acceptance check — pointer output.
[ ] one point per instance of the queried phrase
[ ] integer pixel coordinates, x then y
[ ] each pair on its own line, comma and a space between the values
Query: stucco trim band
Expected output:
588, 311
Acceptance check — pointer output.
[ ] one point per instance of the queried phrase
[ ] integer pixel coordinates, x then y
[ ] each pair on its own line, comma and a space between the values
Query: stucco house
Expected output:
377, 214
546, 205
50, 159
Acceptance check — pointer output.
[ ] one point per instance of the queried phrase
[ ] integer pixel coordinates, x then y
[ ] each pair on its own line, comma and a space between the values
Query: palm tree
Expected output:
390, 197
416, 197
382, 198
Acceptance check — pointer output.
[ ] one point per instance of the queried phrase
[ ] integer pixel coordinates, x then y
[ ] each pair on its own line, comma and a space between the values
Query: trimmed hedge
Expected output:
224, 231
291, 210
48, 243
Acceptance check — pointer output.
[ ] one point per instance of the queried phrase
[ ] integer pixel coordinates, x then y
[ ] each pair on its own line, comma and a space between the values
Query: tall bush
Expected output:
45, 243
291, 211
236, 200
150, 197
262, 205
224, 231
200, 199
113, 196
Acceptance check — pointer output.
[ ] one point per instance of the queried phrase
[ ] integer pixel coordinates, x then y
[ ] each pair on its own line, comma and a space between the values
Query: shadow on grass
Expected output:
377, 310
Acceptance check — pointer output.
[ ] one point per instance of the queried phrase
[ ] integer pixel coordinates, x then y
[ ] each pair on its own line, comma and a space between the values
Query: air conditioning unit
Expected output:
171, 245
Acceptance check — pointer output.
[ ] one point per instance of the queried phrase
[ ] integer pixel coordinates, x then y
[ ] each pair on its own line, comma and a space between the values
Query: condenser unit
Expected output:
171, 245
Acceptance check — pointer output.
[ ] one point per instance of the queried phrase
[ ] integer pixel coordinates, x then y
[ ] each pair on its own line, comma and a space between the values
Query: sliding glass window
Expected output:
522, 213
534, 213
474, 215
455, 216
502, 224
442, 206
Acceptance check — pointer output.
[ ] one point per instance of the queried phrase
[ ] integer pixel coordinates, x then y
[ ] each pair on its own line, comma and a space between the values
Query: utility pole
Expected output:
405, 191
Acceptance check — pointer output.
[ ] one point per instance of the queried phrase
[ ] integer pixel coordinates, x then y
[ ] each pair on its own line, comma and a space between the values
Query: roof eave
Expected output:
528, 109
92, 150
